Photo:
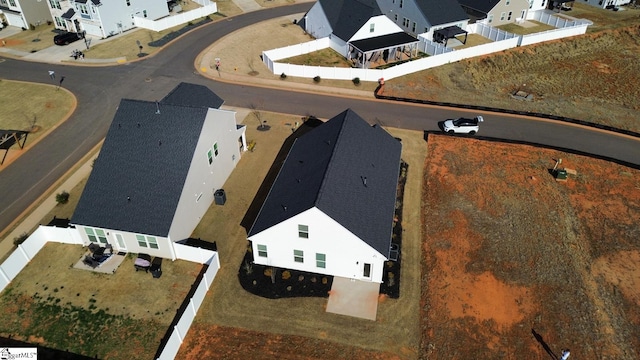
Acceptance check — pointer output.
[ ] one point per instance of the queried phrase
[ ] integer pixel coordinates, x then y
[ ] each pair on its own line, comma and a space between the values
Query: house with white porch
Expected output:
359, 31
104, 18
496, 12
23, 13
331, 208
158, 171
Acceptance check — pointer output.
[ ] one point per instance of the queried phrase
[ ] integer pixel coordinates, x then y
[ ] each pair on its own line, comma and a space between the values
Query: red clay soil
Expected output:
217, 342
509, 251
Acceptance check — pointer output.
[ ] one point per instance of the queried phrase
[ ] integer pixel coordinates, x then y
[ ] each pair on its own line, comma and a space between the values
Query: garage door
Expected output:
92, 29
14, 19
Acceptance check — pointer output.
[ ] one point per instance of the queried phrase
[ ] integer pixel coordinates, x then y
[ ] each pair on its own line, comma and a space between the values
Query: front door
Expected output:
121, 244
366, 271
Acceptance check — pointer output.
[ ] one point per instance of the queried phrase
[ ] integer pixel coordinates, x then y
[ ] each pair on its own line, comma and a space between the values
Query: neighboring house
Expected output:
331, 208
423, 17
496, 12
359, 30
104, 18
23, 13
157, 171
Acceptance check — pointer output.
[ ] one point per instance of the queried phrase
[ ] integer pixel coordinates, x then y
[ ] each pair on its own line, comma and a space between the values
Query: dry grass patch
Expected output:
32, 40
325, 57
63, 304
522, 30
47, 106
604, 19
227, 8
473, 40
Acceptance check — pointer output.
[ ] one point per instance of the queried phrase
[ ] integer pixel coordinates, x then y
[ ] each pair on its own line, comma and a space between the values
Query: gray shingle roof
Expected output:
346, 17
138, 177
347, 169
481, 5
193, 95
439, 12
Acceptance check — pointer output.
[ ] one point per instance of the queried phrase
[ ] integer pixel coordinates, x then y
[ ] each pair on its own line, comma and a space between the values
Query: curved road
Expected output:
99, 90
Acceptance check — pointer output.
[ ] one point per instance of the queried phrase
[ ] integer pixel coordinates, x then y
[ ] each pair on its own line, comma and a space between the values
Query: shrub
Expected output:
20, 239
283, 76
32, 27
316, 79
62, 198
286, 275
356, 80
268, 271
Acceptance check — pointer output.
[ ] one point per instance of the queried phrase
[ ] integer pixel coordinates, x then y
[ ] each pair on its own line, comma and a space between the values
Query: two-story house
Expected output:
496, 12
23, 13
103, 18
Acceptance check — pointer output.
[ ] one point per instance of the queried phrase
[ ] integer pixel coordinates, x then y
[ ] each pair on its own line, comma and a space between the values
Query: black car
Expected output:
66, 38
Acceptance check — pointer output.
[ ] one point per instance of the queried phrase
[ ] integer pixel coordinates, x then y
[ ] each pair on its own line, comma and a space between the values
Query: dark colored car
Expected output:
66, 38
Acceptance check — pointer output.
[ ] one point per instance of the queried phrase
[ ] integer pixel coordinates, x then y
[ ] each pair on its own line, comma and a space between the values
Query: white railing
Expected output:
175, 20
502, 40
180, 330
26, 251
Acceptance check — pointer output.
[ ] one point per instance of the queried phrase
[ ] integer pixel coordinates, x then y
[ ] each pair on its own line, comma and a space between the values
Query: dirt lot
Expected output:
509, 250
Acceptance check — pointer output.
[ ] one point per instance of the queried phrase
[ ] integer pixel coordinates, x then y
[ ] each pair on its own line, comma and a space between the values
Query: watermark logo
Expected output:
14, 353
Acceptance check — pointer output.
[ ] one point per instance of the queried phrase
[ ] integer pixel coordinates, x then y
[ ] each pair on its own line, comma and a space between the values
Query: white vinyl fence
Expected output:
175, 20
26, 251
180, 330
502, 40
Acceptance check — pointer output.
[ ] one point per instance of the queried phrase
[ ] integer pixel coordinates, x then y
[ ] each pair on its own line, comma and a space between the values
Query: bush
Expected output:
283, 76
32, 27
62, 198
316, 79
356, 81
286, 275
20, 239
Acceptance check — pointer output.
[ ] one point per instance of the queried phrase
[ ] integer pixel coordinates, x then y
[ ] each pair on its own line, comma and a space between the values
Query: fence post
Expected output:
24, 252
175, 328
4, 276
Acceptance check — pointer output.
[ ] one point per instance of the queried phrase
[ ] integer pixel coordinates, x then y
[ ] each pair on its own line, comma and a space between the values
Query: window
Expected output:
298, 256
59, 22
262, 250
502, 16
413, 28
401, 3
147, 241
405, 22
144, 13
490, 18
530, 4
199, 197
508, 2
96, 235
303, 231
84, 11
210, 156
12, 2
215, 149
509, 16
395, 17
321, 260
128, 2
55, 4
372, 27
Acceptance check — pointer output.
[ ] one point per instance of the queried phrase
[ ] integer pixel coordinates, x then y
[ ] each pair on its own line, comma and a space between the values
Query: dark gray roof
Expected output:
347, 169
384, 41
439, 12
193, 95
138, 177
68, 14
484, 6
346, 17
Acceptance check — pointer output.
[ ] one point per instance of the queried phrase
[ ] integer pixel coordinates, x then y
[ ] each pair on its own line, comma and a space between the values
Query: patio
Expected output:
100, 259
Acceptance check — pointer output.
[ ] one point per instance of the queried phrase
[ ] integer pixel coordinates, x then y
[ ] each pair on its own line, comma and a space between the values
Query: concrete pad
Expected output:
108, 267
354, 298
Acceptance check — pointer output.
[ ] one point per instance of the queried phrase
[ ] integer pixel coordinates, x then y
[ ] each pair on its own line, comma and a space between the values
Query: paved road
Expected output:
99, 91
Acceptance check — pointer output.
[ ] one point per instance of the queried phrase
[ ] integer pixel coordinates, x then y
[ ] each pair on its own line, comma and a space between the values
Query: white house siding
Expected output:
511, 12
345, 253
116, 16
382, 25
604, 3
203, 179
535, 5
34, 12
316, 22
164, 250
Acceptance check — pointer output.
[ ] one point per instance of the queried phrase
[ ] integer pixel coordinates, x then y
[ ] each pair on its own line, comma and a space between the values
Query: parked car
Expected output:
462, 125
66, 38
